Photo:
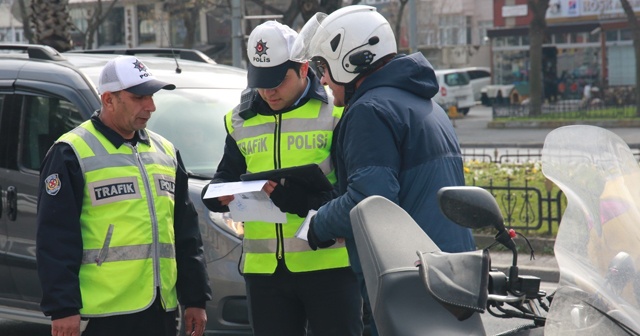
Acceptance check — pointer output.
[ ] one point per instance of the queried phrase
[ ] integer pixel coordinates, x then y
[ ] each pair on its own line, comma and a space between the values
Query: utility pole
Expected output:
413, 27
236, 32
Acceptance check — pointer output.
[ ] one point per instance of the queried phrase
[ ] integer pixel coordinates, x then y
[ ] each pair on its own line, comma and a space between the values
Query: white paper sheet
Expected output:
304, 228
232, 188
250, 202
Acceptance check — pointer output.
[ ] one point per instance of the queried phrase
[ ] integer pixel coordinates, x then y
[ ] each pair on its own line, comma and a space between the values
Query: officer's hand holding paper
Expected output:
296, 189
250, 203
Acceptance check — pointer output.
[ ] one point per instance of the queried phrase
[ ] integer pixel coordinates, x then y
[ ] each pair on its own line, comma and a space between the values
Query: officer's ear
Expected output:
304, 69
108, 99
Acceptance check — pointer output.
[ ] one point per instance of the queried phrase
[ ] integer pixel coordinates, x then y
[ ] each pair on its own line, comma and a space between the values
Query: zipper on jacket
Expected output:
279, 234
277, 165
276, 142
152, 214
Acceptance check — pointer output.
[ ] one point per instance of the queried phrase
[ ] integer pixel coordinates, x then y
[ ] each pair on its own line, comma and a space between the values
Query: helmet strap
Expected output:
349, 90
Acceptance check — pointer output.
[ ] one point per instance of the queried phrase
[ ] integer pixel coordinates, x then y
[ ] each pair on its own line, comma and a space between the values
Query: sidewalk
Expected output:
473, 131
544, 266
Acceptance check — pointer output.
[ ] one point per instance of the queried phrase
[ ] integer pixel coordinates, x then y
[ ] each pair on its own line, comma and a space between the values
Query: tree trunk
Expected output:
52, 23
536, 38
634, 26
26, 22
191, 19
398, 32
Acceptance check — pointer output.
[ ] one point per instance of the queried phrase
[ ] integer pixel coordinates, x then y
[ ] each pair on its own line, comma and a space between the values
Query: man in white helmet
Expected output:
286, 119
392, 140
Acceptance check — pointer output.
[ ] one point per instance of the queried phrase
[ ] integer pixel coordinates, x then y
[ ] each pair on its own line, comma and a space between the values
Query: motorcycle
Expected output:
416, 289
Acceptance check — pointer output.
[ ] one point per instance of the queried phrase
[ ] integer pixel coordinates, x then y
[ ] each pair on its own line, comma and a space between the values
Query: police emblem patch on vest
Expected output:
52, 184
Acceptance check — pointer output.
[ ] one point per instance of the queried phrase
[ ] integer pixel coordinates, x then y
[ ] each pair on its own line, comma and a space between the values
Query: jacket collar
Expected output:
116, 139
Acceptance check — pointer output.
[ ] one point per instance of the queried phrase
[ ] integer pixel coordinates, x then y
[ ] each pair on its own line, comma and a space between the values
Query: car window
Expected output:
193, 120
456, 79
45, 120
475, 74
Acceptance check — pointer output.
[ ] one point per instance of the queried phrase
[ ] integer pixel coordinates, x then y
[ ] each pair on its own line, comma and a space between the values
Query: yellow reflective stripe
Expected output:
122, 253
91, 140
298, 120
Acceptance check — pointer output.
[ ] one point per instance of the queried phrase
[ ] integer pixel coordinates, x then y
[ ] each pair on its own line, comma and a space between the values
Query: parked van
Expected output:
455, 90
479, 77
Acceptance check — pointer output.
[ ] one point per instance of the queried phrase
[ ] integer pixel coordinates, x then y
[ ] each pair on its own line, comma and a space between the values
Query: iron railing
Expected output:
525, 207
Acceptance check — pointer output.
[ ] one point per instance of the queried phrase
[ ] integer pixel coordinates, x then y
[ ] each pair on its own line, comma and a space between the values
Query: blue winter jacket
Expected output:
394, 141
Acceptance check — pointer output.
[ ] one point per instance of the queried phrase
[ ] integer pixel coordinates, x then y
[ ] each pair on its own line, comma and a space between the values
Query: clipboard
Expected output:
308, 176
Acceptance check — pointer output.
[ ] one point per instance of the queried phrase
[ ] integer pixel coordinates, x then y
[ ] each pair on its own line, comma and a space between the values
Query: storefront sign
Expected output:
513, 11
576, 8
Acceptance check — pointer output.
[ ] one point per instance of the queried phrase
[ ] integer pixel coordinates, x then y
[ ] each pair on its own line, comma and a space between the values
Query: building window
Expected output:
468, 32
483, 26
146, 24
612, 35
111, 31
452, 30
625, 35
178, 29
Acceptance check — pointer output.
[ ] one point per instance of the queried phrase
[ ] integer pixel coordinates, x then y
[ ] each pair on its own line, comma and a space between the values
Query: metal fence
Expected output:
524, 207
567, 109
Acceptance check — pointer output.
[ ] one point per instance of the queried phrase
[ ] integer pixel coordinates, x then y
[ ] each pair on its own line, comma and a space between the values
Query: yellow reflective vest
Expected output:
297, 137
126, 222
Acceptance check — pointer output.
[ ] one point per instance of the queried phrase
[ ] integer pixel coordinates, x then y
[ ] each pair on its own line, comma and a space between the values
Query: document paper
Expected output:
250, 202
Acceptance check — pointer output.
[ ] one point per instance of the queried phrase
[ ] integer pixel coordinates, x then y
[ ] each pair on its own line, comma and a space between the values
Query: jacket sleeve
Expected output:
369, 133
58, 237
231, 166
193, 282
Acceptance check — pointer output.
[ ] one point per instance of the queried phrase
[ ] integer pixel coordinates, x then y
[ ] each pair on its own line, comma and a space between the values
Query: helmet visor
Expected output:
305, 46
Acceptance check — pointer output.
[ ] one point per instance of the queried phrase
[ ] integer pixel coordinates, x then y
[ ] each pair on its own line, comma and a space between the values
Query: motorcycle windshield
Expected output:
598, 242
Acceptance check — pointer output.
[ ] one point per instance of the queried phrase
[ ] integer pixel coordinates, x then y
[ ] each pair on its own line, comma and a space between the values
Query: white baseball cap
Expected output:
128, 73
268, 49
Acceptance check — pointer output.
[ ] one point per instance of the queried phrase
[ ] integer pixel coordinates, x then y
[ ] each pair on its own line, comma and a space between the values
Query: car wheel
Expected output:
464, 111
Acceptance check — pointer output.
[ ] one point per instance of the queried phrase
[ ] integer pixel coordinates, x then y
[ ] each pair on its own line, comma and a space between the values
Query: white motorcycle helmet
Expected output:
350, 41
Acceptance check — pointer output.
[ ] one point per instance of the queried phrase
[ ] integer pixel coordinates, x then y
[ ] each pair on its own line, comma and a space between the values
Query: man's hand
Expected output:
195, 320
225, 200
290, 198
313, 240
66, 326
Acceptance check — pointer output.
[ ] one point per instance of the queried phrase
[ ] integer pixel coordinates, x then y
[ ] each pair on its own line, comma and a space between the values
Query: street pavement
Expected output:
472, 131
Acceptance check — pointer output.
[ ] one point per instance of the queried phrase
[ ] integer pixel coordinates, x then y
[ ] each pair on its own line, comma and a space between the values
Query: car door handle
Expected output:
12, 203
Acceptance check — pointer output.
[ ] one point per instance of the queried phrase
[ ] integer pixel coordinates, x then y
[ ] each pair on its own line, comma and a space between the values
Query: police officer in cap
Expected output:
287, 119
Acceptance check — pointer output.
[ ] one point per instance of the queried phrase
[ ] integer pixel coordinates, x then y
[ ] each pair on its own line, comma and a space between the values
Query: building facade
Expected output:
587, 43
451, 33
10, 25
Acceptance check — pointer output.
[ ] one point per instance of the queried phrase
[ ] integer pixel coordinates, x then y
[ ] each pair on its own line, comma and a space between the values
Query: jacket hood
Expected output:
412, 73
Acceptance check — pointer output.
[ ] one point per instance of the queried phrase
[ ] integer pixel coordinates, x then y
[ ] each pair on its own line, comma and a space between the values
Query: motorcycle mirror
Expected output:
471, 207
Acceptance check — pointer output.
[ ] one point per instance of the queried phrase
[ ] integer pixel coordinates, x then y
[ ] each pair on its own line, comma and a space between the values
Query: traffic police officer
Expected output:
286, 119
118, 238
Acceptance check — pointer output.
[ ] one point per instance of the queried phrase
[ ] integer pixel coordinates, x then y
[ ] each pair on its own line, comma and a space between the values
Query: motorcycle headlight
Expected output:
225, 222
